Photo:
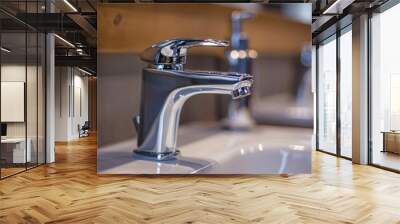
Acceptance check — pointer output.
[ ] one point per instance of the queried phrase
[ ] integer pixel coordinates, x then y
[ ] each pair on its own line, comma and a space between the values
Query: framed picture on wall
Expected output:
12, 101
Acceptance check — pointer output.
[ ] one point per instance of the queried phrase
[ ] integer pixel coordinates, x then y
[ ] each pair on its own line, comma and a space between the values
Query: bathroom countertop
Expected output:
207, 149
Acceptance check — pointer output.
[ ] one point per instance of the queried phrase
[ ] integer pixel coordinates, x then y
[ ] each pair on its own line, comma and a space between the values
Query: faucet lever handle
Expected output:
186, 43
173, 52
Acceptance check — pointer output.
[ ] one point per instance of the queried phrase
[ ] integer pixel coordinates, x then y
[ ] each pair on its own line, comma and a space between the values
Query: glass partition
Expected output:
385, 89
22, 88
14, 145
334, 94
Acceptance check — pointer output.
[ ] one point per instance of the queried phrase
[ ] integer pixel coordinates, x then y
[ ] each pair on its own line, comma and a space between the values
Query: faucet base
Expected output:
147, 155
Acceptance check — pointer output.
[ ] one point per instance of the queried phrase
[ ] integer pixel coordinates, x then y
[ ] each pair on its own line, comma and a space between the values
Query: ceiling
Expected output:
76, 22
72, 20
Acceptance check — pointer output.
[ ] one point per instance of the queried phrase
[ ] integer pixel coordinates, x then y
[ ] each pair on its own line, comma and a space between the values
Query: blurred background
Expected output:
280, 34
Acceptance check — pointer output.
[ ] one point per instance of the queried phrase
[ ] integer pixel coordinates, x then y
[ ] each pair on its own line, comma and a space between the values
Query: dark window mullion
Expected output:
26, 88
338, 95
317, 96
369, 91
37, 90
0, 98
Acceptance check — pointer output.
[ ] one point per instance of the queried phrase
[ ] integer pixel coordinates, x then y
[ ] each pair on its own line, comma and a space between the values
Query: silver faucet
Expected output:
166, 87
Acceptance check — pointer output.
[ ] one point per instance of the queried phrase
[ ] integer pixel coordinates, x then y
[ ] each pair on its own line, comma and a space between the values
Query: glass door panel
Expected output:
346, 94
327, 97
32, 98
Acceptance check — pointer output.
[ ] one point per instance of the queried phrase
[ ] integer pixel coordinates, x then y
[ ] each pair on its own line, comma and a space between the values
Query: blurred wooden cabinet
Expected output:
391, 142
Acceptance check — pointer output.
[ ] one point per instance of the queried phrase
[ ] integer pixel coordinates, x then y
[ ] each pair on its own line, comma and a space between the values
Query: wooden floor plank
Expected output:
70, 191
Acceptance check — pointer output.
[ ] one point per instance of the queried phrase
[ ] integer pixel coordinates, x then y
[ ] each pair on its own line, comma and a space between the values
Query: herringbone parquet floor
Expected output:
70, 191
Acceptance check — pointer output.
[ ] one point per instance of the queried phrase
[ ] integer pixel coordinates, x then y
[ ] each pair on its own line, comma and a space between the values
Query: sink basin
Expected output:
206, 149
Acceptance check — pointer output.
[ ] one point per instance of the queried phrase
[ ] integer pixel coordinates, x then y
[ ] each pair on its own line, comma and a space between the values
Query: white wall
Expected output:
80, 103
71, 93
62, 81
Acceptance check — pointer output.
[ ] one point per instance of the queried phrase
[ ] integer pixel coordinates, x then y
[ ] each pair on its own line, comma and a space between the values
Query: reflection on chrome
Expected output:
260, 147
297, 147
284, 159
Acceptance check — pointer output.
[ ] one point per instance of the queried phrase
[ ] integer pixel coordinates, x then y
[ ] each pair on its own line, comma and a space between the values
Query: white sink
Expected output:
206, 149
